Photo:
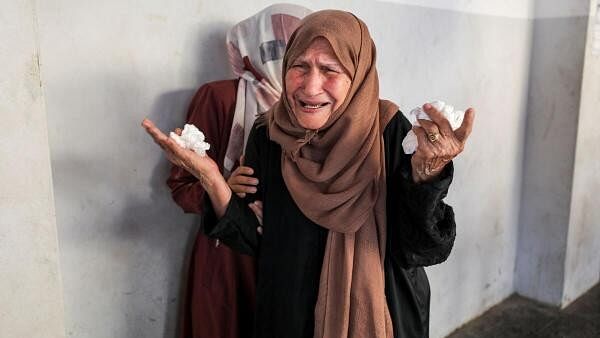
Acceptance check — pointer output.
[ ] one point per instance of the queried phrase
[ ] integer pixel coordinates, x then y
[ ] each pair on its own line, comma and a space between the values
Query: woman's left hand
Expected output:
202, 167
438, 143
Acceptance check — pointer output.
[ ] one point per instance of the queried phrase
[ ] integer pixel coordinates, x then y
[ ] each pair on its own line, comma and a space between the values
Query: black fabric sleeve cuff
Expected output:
429, 235
237, 227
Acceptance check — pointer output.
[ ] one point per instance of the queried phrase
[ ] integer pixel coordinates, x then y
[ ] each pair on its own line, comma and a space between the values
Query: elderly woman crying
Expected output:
348, 220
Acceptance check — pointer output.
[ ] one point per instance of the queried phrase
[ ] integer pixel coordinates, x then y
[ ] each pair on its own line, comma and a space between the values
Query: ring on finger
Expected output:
433, 137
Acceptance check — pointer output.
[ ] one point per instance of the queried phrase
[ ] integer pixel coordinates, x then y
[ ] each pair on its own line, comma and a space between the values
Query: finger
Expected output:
253, 207
257, 212
146, 122
433, 154
424, 147
177, 150
245, 180
242, 158
438, 118
433, 136
163, 140
240, 194
247, 171
178, 131
430, 127
258, 206
153, 131
424, 155
238, 188
463, 132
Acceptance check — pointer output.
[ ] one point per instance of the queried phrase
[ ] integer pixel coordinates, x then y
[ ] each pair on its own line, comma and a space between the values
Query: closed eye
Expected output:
299, 66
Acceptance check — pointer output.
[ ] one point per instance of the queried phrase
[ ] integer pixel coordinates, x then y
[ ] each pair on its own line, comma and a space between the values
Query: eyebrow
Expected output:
332, 63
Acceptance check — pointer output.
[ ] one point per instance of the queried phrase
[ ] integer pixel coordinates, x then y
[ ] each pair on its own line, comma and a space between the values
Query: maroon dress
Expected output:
219, 297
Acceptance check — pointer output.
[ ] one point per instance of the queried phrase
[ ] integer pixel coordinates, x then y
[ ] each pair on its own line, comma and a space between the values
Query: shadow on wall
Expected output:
124, 242
168, 112
208, 49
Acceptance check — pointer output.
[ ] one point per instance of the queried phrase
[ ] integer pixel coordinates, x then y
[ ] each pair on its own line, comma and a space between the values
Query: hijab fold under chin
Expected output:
337, 179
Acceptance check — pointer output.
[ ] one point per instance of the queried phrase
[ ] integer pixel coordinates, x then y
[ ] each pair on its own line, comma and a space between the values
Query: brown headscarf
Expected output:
336, 176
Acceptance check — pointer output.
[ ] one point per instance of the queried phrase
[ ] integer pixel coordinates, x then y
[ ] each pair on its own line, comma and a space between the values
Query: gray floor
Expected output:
521, 317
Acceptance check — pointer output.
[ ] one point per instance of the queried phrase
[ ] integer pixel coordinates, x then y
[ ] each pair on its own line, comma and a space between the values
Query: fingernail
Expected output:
427, 106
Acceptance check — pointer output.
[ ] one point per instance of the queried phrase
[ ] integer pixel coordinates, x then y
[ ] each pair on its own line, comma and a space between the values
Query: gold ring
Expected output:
433, 137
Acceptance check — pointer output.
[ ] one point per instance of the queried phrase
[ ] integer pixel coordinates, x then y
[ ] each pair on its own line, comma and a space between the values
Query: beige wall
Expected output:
30, 287
559, 236
582, 265
107, 64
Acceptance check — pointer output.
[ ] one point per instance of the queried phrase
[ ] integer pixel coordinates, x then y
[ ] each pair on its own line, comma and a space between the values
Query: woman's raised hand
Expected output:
438, 143
202, 167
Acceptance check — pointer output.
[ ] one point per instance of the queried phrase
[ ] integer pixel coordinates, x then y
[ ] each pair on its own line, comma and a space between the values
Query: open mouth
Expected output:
307, 105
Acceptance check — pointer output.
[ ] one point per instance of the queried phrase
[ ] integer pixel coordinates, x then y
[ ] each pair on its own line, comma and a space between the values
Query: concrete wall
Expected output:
462, 58
30, 287
107, 65
554, 92
582, 264
123, 242
557, 58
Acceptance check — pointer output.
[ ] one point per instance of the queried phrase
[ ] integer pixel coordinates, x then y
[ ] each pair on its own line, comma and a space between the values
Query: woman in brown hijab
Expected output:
348, 218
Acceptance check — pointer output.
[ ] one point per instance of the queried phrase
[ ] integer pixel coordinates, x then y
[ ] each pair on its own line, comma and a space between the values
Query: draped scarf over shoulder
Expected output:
336, 176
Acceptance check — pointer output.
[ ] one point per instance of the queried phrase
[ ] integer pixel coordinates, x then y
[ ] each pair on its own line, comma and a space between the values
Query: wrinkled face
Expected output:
316, 84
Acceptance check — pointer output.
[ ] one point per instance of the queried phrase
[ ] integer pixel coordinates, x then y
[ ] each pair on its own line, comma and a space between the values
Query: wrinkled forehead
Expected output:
319, 49
342, 30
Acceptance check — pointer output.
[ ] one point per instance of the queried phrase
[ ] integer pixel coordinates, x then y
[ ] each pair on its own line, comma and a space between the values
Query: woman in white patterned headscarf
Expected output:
220, 292
256, 47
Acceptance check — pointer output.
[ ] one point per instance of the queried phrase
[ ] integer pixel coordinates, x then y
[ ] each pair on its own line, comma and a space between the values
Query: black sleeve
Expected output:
237, 227
420, 226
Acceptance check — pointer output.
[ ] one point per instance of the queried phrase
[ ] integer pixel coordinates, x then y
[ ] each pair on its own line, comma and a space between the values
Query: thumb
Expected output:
463, 132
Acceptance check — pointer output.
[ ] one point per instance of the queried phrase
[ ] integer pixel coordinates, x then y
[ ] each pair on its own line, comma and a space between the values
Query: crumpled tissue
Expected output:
191, 138
455, 117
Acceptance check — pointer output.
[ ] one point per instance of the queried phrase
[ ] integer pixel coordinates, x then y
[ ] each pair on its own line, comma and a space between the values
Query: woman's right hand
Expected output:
241, 180
202, 167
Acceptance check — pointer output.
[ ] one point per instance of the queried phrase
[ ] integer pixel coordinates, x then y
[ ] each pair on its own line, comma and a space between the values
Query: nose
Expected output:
313, 83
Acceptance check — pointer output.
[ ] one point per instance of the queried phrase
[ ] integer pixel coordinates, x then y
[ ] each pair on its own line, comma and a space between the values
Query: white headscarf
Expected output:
256, 47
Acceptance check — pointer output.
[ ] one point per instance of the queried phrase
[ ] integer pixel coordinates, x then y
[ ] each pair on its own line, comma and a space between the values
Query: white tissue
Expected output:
455, 117
191, 138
